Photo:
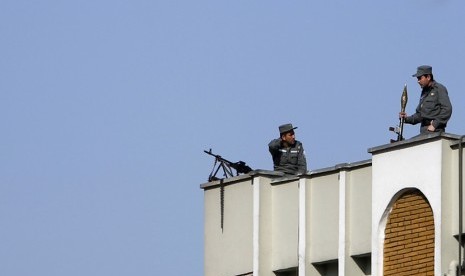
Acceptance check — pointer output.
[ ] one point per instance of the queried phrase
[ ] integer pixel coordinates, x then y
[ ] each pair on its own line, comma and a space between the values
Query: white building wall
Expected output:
395, 170
416, 167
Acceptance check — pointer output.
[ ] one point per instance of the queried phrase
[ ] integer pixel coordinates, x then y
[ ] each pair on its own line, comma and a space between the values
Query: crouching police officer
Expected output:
288, 154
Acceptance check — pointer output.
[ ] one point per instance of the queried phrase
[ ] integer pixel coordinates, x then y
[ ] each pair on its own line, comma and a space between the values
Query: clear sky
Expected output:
106, 108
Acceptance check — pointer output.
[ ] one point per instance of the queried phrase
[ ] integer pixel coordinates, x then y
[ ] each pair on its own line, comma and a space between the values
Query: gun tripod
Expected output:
220, 164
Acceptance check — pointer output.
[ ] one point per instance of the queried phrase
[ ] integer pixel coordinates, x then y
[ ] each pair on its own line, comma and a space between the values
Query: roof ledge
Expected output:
416, 140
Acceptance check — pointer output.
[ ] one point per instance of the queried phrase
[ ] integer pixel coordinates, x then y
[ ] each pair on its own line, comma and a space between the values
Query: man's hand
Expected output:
431, 127
402, 115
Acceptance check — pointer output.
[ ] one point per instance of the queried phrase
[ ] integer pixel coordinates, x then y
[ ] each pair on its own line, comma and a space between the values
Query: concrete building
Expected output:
396, 214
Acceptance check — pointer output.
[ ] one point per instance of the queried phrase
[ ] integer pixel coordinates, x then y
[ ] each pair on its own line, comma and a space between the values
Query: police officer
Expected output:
288, 154
434, 110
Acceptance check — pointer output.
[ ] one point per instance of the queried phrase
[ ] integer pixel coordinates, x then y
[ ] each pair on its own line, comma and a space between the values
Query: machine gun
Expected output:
227, 166
400, 129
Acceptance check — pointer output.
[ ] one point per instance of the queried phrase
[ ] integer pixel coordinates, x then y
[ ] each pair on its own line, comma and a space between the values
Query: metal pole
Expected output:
460, 202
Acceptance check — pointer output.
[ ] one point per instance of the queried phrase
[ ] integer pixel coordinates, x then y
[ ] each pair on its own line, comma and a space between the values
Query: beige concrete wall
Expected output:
228, 251
323, 219
359, 211
358, 219
231, 252
265, 226
285, 222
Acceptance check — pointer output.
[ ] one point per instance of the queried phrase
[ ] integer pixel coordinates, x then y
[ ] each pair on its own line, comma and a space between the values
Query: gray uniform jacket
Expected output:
434, 106
288, 160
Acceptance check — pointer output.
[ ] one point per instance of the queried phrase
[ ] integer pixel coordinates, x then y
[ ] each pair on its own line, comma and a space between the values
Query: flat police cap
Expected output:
423, 70
286, 128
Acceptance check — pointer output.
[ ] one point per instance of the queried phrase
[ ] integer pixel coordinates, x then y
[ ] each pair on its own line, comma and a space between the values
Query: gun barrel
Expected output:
218, 157
209, 152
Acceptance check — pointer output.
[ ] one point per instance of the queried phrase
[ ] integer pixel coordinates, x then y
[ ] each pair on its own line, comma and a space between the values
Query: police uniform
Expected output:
289, 160
434, 105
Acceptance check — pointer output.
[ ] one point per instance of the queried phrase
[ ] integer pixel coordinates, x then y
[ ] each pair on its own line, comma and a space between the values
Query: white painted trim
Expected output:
256, 225
377, 257
342, 223
302, 226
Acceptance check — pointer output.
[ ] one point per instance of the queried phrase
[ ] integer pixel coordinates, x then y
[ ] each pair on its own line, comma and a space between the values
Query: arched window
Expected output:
409, 236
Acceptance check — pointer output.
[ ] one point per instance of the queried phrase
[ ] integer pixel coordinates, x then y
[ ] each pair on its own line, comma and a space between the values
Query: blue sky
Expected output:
106, 108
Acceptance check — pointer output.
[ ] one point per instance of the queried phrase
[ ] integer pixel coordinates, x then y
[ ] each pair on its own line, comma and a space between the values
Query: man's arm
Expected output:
446, 108
414, 118
274, 146
302, 161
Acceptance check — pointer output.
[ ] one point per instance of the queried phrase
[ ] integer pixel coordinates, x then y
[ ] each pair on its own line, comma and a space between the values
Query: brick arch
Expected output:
409, 236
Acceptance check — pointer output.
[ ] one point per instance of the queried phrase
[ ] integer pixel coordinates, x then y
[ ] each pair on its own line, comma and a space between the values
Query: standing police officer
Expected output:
434, 109
288, 153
